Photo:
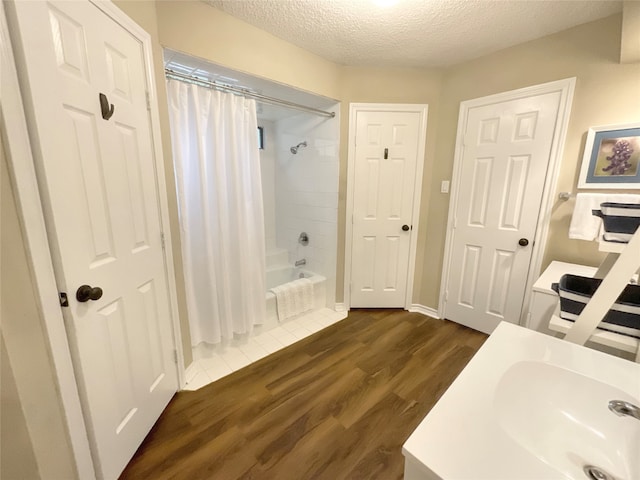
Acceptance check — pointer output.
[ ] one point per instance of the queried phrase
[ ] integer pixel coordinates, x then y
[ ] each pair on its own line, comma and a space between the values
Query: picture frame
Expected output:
611, 157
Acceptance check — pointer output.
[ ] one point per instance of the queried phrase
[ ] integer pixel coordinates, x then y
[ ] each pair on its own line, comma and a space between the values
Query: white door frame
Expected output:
354, 108
31, 213
566, 88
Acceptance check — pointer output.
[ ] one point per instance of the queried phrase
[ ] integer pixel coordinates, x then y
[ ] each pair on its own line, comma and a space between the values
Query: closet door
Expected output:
91, 130
506, 150
386, 162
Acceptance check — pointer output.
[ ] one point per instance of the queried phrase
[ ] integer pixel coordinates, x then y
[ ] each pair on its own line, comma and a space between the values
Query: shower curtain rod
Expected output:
247, 93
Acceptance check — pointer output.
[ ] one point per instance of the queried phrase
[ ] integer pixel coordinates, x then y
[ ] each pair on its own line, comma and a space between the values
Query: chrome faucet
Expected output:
624, 409
299, 263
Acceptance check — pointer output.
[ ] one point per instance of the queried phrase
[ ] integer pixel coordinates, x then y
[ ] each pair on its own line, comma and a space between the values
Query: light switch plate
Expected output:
444, 186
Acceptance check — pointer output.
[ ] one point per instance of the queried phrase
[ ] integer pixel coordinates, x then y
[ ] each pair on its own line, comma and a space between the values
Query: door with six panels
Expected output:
506, 151
386, 160
90, 126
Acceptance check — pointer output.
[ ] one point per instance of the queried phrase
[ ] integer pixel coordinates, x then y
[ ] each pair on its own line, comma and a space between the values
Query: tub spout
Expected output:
299, 263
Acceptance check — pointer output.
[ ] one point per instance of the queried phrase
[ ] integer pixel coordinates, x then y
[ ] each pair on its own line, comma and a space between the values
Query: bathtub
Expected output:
280, 274
276, 274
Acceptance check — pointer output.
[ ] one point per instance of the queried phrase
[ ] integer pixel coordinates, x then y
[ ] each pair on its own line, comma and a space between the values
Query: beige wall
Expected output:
17, 459
630, 44
606, 93
202, 31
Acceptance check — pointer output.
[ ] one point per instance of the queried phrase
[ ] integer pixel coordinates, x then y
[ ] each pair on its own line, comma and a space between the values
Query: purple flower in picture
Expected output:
619, 158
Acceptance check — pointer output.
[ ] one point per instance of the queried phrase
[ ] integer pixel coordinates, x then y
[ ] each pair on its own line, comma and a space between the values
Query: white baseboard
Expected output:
428, 311
341, 307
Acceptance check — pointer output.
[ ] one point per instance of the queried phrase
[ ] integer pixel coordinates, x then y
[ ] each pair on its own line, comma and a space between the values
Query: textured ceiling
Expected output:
413, 33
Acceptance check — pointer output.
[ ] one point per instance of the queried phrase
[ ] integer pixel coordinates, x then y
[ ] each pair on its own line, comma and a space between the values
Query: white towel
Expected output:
585, 225
293, 298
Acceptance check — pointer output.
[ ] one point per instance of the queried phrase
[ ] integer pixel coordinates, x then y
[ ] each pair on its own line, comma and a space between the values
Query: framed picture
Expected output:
611, 157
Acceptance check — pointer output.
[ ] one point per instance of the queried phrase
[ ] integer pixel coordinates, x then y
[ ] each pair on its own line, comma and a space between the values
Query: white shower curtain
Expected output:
217, 165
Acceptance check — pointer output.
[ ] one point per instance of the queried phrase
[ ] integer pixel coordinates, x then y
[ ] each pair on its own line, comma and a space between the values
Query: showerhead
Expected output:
294, 150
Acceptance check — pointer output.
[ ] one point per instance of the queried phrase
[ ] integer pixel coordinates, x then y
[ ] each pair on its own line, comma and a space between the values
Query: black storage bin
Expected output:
575, 291
621, 220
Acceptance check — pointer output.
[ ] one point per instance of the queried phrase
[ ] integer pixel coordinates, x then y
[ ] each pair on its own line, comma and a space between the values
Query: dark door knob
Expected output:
86, 293
405, 228
523, 242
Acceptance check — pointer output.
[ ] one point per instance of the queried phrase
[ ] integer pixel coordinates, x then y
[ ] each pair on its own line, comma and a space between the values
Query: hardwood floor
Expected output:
336, 405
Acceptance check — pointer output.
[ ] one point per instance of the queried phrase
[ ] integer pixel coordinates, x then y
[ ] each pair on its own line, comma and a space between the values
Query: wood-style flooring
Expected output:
337, 405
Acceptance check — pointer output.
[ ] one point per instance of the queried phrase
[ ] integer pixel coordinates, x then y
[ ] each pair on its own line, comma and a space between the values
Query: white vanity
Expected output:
530, 406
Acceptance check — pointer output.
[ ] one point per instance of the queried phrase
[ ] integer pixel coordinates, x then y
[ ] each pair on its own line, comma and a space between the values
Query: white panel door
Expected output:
385, 170
504, 164
98, 184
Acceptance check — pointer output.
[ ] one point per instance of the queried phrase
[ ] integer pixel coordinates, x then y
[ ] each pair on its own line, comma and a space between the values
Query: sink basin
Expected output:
562, 418
529, 406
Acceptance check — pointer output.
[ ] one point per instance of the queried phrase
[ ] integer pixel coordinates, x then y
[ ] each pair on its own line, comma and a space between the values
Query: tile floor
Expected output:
232, 358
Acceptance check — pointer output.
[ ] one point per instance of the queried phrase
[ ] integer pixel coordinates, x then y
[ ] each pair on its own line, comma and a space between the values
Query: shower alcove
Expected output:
300, 194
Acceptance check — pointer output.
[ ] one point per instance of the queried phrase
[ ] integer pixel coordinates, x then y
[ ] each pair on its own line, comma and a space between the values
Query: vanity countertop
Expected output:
530, 406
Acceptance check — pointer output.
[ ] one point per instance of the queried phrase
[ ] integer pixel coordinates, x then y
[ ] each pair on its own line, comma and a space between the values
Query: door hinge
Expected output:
162, 240
446, 295
175, 356
64, 301
352, 219
455, 221
148, 97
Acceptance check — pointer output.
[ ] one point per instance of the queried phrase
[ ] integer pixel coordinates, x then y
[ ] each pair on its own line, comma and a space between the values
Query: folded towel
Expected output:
585, 225
293, 298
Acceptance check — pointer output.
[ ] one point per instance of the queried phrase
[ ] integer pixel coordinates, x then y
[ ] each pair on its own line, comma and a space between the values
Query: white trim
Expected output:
23, 179
341, 307
424, 310
422, 109
128, 24
191, 371
566, 88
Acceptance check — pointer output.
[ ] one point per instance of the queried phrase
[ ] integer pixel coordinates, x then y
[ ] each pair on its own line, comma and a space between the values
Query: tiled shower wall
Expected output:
267, 170
306, 192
